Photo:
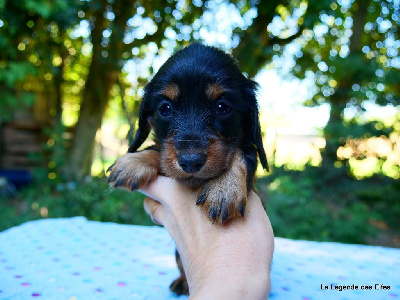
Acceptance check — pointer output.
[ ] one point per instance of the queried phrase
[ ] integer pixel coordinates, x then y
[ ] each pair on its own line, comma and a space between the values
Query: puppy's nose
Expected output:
192, 162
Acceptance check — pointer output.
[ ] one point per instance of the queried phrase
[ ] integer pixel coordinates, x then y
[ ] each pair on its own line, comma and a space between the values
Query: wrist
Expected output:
234, 284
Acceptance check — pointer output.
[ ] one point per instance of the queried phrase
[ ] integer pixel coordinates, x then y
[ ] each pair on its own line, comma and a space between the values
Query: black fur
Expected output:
192, 69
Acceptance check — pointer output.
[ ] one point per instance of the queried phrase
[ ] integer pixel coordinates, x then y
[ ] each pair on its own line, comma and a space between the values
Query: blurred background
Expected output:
72, 74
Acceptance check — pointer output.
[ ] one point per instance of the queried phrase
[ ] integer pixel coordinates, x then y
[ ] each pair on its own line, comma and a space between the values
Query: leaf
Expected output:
41, 7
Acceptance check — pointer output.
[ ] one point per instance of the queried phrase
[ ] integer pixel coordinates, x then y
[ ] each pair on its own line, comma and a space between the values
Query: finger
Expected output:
159, 189
155, 210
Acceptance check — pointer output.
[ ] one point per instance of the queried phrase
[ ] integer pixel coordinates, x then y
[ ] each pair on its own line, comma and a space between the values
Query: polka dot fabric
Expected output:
308, 270
76, 259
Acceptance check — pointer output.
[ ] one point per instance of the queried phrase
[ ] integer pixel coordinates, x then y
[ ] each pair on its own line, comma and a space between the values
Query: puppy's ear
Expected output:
258, 140
250, 92
144, 127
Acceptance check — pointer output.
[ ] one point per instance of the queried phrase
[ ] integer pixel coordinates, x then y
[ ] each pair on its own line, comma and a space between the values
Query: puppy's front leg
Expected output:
226, 196
135, 170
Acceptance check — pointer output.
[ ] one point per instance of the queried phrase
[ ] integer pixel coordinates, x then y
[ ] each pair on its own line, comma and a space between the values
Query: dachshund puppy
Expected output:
204, 115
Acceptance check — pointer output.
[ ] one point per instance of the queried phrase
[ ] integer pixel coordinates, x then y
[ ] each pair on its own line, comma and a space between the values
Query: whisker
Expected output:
188, 140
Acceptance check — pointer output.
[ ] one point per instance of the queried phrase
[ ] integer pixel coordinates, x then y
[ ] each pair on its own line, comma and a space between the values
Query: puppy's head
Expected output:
202, 109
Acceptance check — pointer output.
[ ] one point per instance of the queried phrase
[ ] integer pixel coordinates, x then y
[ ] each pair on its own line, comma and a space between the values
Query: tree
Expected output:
353, 53
258, 43
110, 48
103, 72
70, 67
31, 36
39, 38
349, 47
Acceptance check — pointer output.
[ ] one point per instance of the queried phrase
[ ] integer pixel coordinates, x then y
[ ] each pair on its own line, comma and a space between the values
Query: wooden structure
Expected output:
19, 141
22, 136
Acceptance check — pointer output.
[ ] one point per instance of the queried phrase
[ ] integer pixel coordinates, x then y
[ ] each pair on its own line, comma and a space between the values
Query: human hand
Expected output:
225, 262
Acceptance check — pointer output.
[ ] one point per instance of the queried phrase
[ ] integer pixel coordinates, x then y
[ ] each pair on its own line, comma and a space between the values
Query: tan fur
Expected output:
138, 168
219, 158
171, 91
222, 180
227, 193
213, 91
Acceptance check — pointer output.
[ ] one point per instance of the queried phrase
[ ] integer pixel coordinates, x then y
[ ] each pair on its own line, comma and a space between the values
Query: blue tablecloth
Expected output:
79, 259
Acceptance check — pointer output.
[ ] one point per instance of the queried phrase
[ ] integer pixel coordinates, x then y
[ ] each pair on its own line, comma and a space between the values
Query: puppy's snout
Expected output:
192, 162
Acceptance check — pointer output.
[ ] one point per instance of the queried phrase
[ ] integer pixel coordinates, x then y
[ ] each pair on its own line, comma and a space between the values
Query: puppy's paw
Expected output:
222, 200
179, 286
225, 197
135, 170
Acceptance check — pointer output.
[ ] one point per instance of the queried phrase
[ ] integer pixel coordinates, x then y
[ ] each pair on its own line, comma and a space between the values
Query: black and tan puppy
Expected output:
204, 115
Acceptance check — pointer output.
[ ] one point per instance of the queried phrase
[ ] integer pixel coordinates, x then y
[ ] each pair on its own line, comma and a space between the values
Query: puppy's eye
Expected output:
223, 108
165, 110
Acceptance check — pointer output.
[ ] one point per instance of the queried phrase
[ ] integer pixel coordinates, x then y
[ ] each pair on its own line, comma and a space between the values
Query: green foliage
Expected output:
352, 52
298, 208
16, 72
29, 39
53, 195
45, 8
12, 75
52, 160
94, 200
344, 212
383, 199
43, 53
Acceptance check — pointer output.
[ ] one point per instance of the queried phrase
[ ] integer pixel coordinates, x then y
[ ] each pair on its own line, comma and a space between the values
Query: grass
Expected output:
299, 204
94, 200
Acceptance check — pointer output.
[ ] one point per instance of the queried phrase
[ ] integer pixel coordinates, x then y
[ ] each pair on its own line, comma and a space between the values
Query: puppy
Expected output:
204, 115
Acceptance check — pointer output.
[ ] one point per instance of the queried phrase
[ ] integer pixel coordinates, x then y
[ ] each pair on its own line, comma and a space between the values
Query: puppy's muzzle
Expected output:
191, 151
192, 161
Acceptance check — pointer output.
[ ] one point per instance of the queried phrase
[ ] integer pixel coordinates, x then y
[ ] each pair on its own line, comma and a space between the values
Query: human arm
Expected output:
225, 262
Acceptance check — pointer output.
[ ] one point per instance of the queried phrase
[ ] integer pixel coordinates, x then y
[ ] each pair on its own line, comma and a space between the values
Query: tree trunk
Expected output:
359, 20
96, 95
255, 47
332, 129
59, 80
103, 73
255, 39
339, 100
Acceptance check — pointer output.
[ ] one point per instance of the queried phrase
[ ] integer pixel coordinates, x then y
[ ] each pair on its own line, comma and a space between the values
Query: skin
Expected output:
221, 262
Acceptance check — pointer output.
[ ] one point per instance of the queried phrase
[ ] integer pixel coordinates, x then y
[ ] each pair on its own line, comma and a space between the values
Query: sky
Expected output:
280, 100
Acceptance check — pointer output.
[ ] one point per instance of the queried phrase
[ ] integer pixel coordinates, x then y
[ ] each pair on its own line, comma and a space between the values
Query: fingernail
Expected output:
242, 207
225, 216
111, 178
213, 213
134, 186
118, 183
200, 199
